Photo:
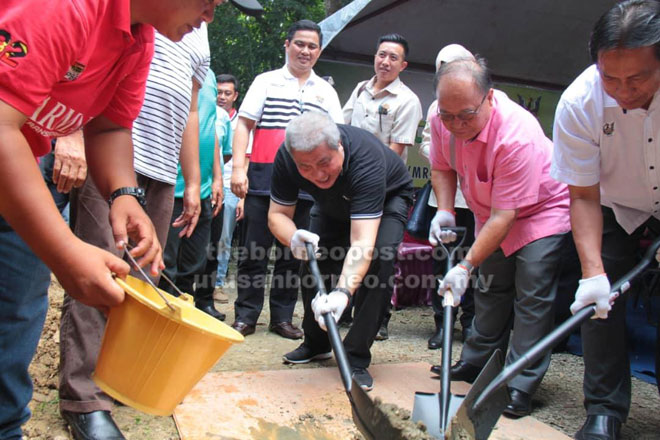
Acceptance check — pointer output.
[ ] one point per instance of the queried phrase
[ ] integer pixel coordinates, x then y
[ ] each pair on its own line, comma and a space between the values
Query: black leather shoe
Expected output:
520, 405
243, 328
382, 334
466, 333
435, 341
599, 427
462, 371
286, 330
210, 310
95, 425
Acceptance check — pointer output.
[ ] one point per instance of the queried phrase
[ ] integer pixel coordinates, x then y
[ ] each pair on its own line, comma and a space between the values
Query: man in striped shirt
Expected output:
274, 98
166, 128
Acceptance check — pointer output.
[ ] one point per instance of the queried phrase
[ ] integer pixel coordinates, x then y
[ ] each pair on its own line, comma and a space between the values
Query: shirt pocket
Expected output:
384, 124
482, 190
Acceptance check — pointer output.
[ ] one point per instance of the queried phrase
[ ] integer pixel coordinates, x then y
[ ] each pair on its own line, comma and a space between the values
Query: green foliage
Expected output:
247, 46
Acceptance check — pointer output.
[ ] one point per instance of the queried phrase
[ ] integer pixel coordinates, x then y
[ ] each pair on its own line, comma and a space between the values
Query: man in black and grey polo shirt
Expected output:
362, 192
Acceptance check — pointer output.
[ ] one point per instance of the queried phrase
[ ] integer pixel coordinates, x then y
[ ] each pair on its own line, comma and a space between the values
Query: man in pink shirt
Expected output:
501, 157
66, 66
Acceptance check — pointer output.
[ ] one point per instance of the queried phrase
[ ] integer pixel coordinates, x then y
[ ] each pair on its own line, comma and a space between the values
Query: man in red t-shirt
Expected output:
65, 65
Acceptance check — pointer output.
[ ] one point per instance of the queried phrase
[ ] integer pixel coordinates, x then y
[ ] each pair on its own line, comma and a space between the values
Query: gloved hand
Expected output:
456, 280
335, 302
298, 248
436, 233
593, 290
657, 255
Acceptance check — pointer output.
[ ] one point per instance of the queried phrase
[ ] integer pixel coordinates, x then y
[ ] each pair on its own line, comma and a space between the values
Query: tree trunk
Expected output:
332, 6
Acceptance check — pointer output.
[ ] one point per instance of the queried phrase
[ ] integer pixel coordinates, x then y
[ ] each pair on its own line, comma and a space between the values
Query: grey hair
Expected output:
309, 130
475, 67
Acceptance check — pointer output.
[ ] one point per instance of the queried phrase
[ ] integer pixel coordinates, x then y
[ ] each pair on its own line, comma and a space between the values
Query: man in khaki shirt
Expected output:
384, 105
387, 108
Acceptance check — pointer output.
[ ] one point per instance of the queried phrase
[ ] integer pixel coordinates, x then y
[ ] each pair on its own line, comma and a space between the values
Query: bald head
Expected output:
464, 93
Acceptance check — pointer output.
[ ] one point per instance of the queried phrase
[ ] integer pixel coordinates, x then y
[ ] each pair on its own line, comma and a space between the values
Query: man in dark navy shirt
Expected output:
362, 192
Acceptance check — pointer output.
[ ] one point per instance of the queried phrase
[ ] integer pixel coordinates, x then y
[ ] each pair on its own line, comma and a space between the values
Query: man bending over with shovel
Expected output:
501, 157
607, 138
362, 192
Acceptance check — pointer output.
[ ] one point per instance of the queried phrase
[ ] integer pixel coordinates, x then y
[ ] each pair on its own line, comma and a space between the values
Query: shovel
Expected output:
561, 332
430, 408
370, 420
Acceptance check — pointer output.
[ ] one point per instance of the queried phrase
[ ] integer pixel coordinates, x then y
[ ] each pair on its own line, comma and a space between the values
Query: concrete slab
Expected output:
310, 403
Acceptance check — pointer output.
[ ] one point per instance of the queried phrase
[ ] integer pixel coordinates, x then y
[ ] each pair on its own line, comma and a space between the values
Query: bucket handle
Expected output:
127, 247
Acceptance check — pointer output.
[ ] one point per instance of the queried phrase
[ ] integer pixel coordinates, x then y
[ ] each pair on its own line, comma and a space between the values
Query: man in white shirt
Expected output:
233, 206
273, 99
607, 149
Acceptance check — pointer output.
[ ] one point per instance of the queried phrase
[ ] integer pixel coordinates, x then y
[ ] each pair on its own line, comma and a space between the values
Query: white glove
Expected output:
456, 281
298, 240
657, 255
335, 302
593, 290
436, 233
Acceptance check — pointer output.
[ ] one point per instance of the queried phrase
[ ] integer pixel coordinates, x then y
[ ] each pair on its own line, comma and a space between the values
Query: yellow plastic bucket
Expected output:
151, 355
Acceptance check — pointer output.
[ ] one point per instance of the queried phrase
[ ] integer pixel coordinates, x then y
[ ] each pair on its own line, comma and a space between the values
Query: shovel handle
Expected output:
330, 324
460, 232
566, 328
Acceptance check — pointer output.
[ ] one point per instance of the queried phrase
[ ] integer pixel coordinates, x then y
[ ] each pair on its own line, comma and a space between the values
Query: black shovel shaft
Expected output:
330, 324
448, 329
565, 329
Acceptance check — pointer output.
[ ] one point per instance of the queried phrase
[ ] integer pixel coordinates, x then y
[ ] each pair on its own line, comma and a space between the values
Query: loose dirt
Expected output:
558, 401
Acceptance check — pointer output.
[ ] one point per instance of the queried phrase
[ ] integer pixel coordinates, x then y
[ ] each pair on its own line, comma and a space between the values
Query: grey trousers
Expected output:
516, 293
81, 327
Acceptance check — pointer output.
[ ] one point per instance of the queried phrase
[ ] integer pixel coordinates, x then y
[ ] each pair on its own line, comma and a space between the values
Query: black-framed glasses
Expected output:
465, 115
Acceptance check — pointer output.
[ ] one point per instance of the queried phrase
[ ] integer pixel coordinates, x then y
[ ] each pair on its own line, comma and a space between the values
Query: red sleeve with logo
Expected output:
39, 41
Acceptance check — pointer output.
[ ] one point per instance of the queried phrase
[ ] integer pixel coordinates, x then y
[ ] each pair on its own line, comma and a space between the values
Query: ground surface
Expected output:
557, 403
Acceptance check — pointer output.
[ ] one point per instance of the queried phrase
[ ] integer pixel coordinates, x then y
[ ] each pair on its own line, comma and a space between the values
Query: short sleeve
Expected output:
407, 120
34, 52
255, 98
425, 146
201, 62
368, 184
283, 190
347, 111
576, 155
334, 106
436, 156
226, 139
128, 98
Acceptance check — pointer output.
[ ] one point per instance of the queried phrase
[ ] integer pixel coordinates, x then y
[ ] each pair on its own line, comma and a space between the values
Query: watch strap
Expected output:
343, 290
134, 191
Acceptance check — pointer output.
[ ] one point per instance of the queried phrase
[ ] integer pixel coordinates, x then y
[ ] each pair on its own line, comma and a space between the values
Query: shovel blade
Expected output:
427, 407
369, 419
478, 424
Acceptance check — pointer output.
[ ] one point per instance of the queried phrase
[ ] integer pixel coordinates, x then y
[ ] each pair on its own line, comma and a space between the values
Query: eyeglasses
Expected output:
465, 115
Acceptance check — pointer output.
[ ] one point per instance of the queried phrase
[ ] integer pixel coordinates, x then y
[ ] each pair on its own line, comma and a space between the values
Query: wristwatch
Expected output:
134, 191
343, 290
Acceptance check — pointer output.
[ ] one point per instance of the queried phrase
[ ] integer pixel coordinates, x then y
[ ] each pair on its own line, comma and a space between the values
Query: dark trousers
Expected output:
205, 284
516, 293
606, 364
371, 299
185, 257
253, 264
464, 217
